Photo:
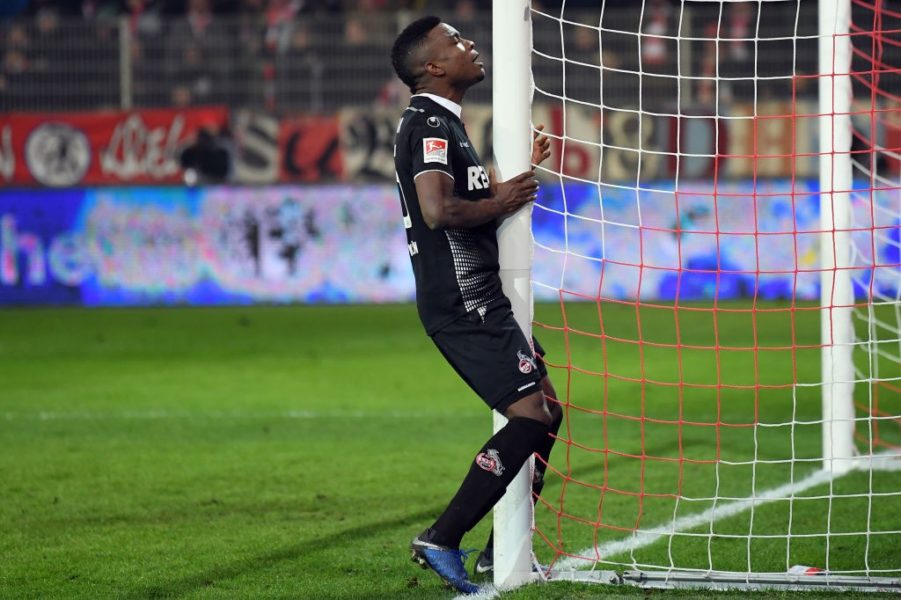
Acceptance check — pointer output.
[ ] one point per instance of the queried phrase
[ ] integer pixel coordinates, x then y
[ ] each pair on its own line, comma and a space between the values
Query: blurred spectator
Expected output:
656, 24
584, 62
144, 17
465, 13
659, 55
249, 52
322, 6
279, 17
356, 35
148, 51
300, 72
251, 26
360, 63
198, 56
180, 96
48, 61
394, 94
15, 67
279, 25
209, 158
100, 9
370, 5
729, 51
36, 7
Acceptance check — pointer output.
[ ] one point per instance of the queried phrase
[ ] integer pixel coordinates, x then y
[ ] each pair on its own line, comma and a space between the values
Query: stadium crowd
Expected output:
110, 8
318, 55
263, 53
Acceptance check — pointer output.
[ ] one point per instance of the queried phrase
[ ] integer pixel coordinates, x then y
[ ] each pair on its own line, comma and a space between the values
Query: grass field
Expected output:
292, 452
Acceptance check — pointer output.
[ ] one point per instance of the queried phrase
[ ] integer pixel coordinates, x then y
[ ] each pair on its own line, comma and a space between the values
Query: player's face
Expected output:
458, 56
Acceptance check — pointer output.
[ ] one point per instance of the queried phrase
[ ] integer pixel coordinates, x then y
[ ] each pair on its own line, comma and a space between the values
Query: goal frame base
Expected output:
722, 581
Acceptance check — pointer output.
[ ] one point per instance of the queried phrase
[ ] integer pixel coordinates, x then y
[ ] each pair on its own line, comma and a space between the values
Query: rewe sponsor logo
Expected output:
476, 178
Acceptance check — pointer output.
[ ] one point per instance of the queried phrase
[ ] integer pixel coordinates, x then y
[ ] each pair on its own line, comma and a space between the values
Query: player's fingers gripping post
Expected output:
515, 192
541, 145
526, 186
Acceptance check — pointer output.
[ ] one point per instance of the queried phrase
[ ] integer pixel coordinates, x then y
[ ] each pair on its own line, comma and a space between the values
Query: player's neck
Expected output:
455, 96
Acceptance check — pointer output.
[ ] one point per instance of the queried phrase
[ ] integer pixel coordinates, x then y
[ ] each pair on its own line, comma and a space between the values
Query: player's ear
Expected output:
434, 70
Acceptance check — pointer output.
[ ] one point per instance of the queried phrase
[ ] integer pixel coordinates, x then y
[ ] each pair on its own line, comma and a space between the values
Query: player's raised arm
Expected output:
441, 209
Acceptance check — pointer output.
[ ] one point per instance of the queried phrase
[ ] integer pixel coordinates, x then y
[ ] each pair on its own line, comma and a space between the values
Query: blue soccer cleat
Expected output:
446, 562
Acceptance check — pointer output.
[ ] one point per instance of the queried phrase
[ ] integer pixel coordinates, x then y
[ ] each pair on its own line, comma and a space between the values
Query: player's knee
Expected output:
532, 407
548, 388
550, 398
555, 411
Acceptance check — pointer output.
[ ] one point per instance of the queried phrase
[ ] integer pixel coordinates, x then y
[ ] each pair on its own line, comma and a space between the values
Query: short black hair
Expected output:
406, 45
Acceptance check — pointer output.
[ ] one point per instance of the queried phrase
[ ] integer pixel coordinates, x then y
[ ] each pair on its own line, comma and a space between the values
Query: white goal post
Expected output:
837, 293
856, 292
512, 37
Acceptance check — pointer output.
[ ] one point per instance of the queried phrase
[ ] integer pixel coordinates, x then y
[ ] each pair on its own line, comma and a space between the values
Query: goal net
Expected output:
717, 276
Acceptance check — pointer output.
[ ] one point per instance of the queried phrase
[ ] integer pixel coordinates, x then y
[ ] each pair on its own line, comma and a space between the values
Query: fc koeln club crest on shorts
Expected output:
526, 362
490, 461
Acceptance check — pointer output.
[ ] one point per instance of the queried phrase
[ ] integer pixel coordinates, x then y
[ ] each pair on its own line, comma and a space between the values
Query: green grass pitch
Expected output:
292, 452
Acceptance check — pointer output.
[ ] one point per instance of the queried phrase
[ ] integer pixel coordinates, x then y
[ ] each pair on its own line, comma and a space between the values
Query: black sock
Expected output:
495, 466
540, 467
544, 453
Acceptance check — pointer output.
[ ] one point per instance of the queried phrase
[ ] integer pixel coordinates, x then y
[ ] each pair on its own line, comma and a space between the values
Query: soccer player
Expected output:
451, 208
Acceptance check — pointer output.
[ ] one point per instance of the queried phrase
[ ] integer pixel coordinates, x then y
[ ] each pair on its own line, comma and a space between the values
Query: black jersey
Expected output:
456, 269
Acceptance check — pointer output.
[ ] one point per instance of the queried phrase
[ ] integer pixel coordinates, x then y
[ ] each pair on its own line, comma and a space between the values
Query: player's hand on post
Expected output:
514, 193
541, 145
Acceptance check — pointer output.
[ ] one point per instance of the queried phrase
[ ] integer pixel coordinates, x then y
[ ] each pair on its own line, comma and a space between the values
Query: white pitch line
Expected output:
487, 592
640, 539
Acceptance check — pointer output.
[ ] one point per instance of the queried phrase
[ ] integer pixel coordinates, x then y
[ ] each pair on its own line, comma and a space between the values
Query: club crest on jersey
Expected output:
433, 121
526, 362
490, 461
434, 150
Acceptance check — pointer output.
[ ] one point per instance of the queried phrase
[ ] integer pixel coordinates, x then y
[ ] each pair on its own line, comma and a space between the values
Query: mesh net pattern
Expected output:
677, 276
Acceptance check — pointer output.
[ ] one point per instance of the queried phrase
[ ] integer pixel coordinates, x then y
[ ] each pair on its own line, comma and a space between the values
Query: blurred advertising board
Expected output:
342, 243
217, 245
705, 239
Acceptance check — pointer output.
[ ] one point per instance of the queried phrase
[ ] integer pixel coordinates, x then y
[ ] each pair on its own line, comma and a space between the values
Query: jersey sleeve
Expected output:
430, 146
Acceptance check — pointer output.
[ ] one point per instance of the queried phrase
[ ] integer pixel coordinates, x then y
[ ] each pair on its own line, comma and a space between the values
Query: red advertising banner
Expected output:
142, 147
103, 148
310, 149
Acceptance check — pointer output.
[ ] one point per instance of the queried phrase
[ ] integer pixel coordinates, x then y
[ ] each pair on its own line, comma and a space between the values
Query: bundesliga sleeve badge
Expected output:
434, 150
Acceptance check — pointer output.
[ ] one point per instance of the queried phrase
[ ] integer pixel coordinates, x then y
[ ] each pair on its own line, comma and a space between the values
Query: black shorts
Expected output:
492, 356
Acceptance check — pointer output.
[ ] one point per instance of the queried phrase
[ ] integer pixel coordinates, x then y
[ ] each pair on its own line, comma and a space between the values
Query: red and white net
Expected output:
677, 277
